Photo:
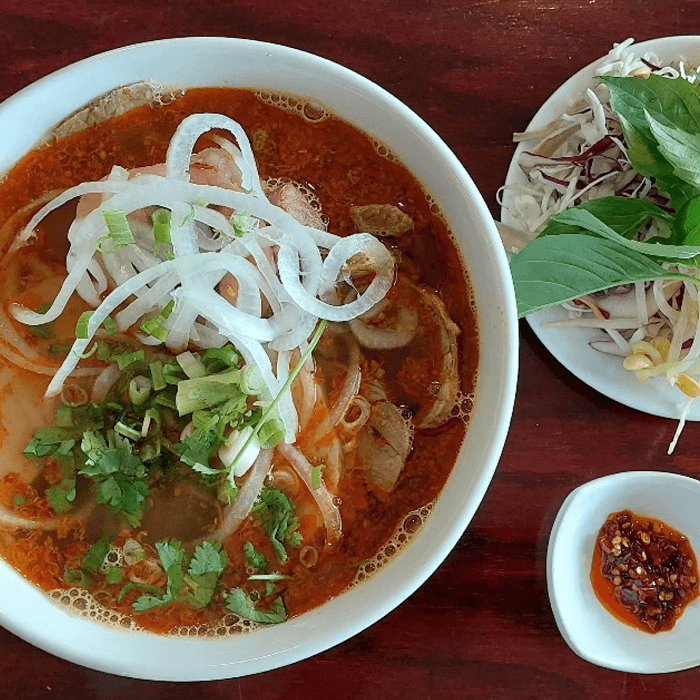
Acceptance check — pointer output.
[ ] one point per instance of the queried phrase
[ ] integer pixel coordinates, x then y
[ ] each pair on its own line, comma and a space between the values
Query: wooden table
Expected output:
476, 70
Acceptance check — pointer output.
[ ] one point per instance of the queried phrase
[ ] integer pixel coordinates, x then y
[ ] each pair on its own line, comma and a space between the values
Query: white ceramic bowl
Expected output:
588, 628
234, 62
570, 345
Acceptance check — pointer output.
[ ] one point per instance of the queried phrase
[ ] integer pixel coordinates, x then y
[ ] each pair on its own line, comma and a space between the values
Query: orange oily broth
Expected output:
343, 168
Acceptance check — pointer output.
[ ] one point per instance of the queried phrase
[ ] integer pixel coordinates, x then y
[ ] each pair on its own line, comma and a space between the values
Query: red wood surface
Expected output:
476, 70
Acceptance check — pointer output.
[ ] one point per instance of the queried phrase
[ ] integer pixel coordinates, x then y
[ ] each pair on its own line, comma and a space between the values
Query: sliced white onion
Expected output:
236, 513
324, 499
232, 447
104, 382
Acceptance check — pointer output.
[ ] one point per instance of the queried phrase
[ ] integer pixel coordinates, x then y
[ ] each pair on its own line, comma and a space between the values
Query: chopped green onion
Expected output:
88, 353
139, 389
292, 376
126, 430
268, 577
157, 377
271, 433
45, 330
151, 415
153, 325
18, 499
242, 222
110, 326
59, 349
149, 451
128, 358
226, 355
316, 477
63, 416
161, 225
113, 575
172, 373
119, 231
103, 351
164, 400
81, 327
252, 382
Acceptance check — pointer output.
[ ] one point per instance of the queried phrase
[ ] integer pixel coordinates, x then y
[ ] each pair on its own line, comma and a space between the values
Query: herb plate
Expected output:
570, 346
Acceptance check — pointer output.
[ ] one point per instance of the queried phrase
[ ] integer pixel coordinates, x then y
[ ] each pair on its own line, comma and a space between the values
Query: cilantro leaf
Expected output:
114, 574
207, 563
61, 496
95, 557
198, 585
239, 603
76, 577
119, 475
132, 585
254, 559
172, 556
274, 512
196, 450
208, 558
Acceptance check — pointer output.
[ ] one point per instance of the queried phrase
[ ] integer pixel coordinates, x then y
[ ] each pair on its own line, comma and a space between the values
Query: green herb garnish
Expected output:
274, 511
239, 603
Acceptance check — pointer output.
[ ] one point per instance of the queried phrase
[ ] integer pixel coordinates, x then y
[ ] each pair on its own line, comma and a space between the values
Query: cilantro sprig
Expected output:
190, 579
275, 511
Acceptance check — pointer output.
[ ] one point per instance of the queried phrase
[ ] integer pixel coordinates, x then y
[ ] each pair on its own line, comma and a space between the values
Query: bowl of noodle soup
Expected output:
338, 472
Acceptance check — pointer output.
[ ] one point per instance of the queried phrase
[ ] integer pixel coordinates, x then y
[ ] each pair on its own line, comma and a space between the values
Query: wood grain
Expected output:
475, 70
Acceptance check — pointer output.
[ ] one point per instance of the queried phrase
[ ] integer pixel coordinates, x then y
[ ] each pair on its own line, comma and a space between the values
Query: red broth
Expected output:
343, 167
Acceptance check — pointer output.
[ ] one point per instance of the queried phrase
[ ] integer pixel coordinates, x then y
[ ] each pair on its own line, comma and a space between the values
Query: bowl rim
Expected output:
176, 662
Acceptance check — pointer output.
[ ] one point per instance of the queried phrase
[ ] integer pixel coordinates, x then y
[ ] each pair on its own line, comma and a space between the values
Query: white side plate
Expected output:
603, 373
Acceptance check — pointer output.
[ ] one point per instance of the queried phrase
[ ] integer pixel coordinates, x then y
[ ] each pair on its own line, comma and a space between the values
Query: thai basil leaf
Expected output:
673, 103
680, 148
553, 269
578, 217
667, 100
625, 215
687, 223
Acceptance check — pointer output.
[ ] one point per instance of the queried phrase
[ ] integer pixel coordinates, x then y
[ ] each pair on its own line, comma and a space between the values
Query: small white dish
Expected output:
588, 628
570, 347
